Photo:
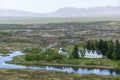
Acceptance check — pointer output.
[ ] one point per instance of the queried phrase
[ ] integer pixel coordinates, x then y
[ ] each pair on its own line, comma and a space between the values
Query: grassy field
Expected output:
27, 74
37, 20
19, 36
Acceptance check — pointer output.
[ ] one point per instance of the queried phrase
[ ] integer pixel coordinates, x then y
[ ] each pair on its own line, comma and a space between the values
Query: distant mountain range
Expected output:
108, 11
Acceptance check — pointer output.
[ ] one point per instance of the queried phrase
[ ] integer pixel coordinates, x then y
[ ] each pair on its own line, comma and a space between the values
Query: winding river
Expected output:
80, 70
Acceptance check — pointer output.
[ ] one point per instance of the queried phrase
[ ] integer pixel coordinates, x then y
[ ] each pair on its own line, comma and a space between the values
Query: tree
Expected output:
75, 52
88, 46
110, 49
106, 46
102, 46
96, 45
117, 50
92, 45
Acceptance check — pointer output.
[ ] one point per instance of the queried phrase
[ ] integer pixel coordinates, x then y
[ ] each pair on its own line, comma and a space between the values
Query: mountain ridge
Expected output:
108, 11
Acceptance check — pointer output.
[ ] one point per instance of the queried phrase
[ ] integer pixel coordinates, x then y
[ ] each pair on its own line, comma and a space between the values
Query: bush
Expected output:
54, 56
36, 55
28, 57
118, 63
90, 63
76, 78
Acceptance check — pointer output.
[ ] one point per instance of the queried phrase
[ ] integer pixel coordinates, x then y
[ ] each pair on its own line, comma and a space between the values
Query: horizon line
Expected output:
57, 9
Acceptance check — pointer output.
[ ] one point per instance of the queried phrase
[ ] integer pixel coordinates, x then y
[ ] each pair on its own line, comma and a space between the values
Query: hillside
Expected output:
108, 11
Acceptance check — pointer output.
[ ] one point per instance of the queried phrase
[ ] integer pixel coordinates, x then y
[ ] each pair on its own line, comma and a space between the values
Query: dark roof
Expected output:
63, 50
97, 51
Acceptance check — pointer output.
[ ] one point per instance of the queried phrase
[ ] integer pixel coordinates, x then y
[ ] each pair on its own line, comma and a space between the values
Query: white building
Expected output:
63, 52
90, 53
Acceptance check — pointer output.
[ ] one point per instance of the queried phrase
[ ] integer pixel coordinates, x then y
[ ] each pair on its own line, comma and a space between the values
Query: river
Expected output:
79, 70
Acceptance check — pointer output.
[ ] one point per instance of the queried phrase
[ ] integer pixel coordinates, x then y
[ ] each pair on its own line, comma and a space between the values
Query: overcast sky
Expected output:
42, 6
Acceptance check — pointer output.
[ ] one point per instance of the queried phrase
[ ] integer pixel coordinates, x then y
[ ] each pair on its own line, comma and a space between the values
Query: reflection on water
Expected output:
3, 59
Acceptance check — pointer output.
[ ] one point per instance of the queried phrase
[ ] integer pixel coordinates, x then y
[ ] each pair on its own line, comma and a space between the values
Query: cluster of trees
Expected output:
37, 55
109, 48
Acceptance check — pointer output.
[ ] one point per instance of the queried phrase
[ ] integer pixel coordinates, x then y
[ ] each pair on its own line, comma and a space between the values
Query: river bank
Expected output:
60, 65
28, 74
98, 64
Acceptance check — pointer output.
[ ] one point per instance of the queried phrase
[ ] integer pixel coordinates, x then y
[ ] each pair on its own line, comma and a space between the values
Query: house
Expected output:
63, 52
90, 53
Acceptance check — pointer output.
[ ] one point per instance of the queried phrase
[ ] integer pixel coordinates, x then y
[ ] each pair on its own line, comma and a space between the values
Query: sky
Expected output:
43, 6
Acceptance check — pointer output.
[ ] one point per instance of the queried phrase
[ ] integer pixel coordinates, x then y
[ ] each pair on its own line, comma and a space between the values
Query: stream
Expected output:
79, 70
